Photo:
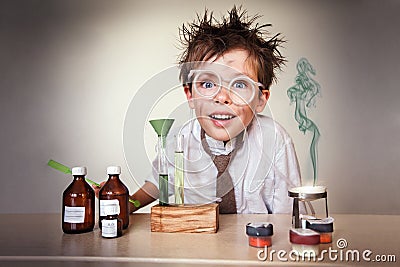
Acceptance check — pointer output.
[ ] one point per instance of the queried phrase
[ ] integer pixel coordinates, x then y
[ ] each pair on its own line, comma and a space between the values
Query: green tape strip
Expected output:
135, 203
92, 182
62, 168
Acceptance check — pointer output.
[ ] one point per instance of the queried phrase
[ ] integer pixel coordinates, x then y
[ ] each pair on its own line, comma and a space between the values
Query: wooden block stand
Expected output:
185, 219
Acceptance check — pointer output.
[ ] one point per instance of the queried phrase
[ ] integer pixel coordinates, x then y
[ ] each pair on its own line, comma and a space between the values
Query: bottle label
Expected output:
109, 207
109, 228
74, 214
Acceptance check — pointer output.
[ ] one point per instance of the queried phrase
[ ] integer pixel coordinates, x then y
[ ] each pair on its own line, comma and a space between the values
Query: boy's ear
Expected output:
189, 96
262, 100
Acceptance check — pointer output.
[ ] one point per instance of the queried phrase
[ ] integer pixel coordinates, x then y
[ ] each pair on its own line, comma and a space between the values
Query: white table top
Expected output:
37, 240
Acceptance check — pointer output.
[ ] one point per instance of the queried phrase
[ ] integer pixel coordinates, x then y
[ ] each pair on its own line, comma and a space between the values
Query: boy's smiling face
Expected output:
220, 115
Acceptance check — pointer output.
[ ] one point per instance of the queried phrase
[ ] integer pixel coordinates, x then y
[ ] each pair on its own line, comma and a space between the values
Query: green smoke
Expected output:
303, 94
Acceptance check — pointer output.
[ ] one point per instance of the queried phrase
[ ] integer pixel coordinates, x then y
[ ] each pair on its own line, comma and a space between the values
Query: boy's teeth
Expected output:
221, 117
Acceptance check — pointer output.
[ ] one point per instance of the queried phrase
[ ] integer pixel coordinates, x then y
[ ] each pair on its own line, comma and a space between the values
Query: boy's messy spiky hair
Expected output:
207, 38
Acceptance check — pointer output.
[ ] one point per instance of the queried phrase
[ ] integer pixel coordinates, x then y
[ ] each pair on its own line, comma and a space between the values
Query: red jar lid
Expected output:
303, 236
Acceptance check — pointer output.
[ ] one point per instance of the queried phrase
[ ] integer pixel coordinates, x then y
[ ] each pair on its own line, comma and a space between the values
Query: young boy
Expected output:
234, 156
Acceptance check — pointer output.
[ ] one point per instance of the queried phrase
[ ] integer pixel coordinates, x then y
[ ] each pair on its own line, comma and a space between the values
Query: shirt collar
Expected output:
218, 147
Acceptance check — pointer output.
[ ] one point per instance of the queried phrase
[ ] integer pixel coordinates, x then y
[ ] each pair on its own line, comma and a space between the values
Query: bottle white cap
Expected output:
114, 170
79, 171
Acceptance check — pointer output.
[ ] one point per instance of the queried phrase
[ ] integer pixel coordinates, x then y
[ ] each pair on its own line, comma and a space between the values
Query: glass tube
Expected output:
179, 173
162, 172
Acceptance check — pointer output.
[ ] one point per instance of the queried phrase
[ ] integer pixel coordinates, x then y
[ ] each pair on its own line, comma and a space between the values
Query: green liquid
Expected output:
163, 185
179, 200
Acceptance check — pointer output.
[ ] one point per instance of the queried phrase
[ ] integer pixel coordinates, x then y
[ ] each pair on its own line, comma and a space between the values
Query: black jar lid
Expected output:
259, 229
320, 225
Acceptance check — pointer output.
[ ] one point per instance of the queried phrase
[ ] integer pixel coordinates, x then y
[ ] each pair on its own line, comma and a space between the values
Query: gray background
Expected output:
70, 69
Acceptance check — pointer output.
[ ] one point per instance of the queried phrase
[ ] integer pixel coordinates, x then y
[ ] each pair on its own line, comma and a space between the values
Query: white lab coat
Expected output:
262, 170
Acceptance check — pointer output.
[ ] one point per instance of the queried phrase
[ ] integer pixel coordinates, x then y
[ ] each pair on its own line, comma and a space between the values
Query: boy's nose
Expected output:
223, 96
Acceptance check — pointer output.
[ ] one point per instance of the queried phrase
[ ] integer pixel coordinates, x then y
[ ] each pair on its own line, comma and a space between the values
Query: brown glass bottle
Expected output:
78, 204
113, 190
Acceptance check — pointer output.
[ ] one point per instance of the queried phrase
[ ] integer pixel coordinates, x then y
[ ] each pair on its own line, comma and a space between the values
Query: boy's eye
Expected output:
207, 85
241, 85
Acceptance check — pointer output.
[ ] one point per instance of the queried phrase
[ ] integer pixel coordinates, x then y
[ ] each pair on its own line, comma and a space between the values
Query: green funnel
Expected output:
162, 126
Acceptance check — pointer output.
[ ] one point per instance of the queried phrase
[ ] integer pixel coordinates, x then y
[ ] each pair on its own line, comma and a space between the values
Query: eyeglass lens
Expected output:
241, 89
